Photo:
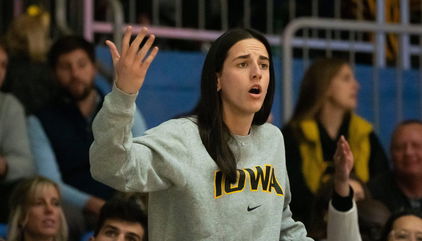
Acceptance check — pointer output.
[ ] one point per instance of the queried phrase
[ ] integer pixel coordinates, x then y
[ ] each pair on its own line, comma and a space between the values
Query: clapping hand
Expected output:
343, 164
132, 63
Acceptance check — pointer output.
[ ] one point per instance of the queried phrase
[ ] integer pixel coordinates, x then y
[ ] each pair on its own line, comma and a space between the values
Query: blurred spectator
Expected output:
405, 225
36, 212
15, 156
28, 77
121, 219
402, 187
324, 112
61, 135
372, 217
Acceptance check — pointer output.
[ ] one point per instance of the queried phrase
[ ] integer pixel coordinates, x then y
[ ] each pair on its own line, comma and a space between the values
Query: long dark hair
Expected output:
213, 131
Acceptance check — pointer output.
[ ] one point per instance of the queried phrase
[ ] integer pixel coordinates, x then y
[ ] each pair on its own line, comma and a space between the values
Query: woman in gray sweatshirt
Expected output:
218, 174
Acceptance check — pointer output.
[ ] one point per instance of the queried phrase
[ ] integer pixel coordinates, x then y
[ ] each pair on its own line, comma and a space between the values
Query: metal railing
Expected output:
352, 26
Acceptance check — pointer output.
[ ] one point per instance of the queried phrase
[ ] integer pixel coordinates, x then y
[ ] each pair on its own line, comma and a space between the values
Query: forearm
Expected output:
110, 150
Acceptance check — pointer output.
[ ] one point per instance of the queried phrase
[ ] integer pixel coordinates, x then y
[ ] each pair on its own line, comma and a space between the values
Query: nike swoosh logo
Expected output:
253, 208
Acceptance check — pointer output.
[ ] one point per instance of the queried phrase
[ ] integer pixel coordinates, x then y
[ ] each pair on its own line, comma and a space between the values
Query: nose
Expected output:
74, 70
256, 72
48, 208
120, 237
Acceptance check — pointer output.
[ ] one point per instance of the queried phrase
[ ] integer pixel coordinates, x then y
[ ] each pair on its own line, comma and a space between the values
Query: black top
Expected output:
302, 197
384, 188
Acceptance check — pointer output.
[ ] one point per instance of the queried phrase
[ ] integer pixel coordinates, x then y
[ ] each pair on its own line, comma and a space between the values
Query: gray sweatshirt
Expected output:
14, 145
189, 198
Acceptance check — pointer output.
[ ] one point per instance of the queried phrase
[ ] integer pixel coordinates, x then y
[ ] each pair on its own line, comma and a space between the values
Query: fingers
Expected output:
113, 51
151, 57
126, 40
134, 46
144, 50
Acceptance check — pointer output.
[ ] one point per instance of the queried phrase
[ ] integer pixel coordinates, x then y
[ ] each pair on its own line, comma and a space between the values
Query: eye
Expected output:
242, 65
110, 233
264, 66
131, 238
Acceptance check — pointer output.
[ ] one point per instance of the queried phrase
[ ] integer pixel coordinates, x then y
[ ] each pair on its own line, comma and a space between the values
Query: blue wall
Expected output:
173, 81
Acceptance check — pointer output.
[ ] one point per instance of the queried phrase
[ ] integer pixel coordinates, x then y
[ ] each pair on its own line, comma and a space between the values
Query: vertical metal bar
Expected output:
292, 9
201, 14
328, 51
178, 14
420, 75
270, 16
132, 11
359, 15
88, 20
224, 15
315, 15
118, 21
352, 50
399, 89
247, 13
404, 38
287, 57
380, 36
376, 98
305, 49
156, 12
17, 7
420, 65
337, 15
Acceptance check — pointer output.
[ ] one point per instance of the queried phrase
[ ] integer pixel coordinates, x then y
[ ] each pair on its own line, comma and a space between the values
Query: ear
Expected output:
218, 82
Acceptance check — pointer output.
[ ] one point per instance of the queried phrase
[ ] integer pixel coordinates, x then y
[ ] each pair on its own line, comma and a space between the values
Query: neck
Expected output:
238, 124
411, 186
87, 105
331, 118
29, 237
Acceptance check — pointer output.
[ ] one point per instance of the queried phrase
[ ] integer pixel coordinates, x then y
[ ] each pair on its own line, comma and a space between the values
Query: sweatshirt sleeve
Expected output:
142, 164
15, 149
343, 225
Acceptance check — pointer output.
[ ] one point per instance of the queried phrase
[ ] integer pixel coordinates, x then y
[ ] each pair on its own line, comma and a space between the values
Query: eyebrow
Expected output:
262, 57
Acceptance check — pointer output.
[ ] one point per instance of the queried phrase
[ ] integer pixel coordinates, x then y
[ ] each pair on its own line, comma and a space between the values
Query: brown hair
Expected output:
314, 86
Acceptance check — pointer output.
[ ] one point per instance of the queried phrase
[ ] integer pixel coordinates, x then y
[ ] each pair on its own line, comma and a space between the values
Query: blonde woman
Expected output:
36, 213
325, 111
28, 41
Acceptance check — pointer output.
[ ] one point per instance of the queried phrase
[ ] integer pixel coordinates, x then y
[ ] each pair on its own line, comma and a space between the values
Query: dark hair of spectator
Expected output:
68, 44
212, 129
125, 209
390, 222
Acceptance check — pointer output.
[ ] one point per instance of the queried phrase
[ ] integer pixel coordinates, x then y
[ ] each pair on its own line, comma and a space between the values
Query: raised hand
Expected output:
132, 64
343, 164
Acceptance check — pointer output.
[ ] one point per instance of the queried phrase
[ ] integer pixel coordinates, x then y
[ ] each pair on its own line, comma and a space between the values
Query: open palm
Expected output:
132, 63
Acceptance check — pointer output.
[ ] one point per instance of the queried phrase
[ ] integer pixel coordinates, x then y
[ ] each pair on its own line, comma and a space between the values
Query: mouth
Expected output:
49, 222
256, 90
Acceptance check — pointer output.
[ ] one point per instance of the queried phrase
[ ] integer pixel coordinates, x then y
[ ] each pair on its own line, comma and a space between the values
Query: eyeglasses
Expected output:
405, 235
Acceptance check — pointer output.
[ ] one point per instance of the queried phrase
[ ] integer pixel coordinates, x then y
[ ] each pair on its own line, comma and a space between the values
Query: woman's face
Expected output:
406, 228
44, 212
244, 80
343, 89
